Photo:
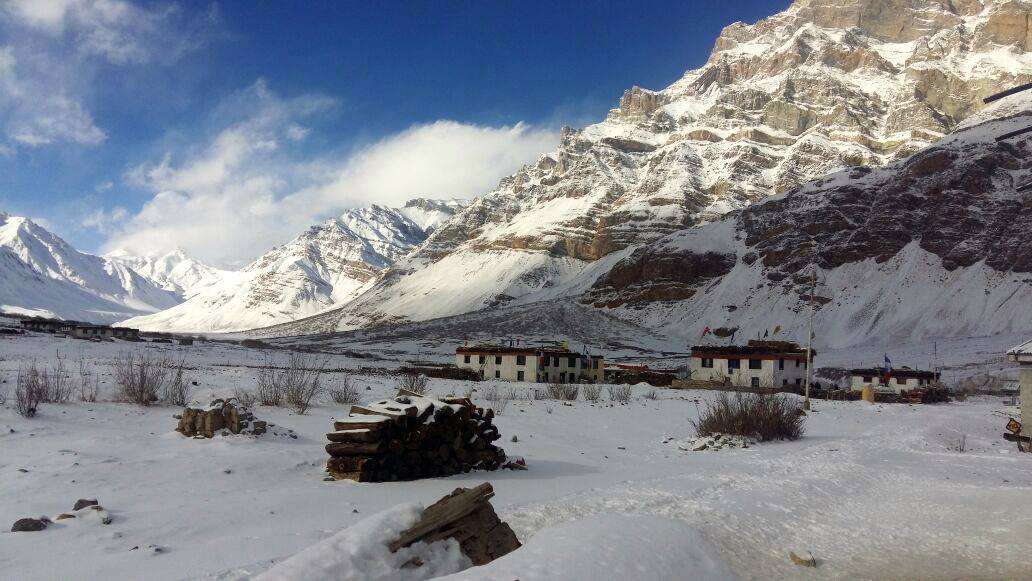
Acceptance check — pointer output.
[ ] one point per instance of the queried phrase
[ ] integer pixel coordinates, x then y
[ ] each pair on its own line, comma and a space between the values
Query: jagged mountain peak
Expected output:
40, 273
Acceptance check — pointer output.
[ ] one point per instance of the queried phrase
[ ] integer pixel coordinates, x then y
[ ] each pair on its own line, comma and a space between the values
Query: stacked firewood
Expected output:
412, 436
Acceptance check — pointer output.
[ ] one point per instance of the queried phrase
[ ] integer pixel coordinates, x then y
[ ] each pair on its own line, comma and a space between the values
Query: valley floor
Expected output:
873, 491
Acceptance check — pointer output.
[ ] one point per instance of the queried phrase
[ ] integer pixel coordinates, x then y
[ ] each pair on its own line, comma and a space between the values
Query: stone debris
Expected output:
29, 525
227, 416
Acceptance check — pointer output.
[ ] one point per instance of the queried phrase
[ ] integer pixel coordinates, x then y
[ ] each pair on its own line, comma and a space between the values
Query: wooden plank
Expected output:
360, 410
338, 426
1014, 133
354, 449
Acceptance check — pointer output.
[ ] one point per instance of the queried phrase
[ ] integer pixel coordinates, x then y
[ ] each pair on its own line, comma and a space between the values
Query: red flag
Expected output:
705, 331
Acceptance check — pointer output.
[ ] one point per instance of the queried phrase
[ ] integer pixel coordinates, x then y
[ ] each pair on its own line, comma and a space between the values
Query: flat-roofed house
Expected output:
763, 364
532, 364
1022, 355
897, 380
88, 331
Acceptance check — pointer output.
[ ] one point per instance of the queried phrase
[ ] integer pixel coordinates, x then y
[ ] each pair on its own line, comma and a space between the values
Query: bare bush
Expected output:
268, 390
958, 445
620, 393
295, 385
468, 392
29, 391
89, 382
3, 388
57, 387
246, 398
761, 416
498, 399
176, 389
592, 392
413, 382
651, 395
140, 377
563, 391
343, 390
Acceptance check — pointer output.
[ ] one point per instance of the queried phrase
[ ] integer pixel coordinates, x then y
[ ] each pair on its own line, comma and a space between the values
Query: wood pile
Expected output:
927, 394
222, 415
467, 516
412, 436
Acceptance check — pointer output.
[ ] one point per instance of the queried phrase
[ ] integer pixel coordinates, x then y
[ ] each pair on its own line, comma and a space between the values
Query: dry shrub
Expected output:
651, 395
761, 416
3, 389
296, 385
563, 391
343, 390
176, 389
413, 382
29, 392
246, 398
497, 399
592, 392
140, 377
57, 386
620, 393
89, 382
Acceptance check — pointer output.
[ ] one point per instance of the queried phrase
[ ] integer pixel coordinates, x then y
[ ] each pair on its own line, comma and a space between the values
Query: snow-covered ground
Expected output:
873, 491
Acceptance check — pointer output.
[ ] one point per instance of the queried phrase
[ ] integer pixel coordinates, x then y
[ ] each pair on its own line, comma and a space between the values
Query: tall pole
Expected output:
809, 339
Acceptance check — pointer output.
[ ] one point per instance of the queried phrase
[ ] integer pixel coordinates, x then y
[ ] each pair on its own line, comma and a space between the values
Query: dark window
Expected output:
519, 376
755, 364
707, 362
498, 359
734, 364
784, 382
797, 362
900, 381
497, 374
798, 381
521, 360
572, 363
562, 377
594, 364
781, 363
483, 359
867, 379
555, 361
755, 382
465, 359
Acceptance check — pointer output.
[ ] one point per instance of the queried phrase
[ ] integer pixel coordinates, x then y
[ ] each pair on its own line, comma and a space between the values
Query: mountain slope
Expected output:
329, 264
41, 274
935, 245
173, 271
808, 91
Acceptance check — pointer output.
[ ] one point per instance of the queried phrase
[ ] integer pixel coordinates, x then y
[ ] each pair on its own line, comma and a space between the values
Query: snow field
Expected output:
872, 490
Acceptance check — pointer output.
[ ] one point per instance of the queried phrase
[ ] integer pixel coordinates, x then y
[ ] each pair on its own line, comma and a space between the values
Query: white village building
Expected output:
552, 364
897, 380
764, 364
1022, 355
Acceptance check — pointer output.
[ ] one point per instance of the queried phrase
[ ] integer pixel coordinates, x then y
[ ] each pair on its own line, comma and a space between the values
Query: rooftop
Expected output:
754, 347
897, 372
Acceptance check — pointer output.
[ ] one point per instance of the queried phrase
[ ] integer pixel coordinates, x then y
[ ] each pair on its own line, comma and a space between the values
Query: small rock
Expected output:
23, 471
514, 439
64, 515
354, 511
84, 502
28, 525
227, 471
329, 479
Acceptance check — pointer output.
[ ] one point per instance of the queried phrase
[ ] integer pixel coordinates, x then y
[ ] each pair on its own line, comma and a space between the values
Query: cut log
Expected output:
353, 436
467, 516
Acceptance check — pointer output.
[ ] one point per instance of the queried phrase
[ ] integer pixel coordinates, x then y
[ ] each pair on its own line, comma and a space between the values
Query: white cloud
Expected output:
51, 53
103, 221
249, 188
441, 159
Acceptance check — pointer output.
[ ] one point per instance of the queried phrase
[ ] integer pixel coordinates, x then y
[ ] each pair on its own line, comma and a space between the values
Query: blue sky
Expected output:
225, 128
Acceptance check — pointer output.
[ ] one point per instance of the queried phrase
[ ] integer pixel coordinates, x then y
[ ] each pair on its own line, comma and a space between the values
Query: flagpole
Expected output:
809, 339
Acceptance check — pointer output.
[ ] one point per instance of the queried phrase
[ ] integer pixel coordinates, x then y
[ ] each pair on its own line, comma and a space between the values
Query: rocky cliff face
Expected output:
812, 90
936, 244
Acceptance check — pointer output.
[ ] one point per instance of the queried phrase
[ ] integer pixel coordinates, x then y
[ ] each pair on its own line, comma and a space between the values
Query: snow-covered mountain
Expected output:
42, 274
935, 245
327, 265
809, 91
173, 271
